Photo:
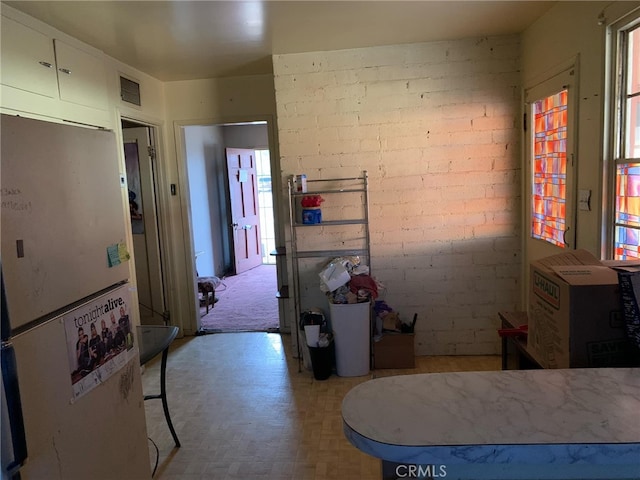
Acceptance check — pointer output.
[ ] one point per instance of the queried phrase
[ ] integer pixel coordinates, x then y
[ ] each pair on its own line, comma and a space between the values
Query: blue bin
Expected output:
311, 216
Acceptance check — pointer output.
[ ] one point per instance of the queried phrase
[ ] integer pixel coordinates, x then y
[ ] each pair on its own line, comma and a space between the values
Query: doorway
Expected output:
139, 143
232, 225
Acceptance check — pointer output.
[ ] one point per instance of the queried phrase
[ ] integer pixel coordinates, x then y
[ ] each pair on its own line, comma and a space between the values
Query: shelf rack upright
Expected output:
330, 187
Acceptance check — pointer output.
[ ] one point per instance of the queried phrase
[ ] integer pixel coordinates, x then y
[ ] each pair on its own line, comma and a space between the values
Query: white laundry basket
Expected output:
352, 333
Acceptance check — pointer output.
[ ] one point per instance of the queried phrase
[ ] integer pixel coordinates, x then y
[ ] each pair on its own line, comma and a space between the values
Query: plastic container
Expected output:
312, 334
301, 183
322, 360
311, 317
351, 333
311, 216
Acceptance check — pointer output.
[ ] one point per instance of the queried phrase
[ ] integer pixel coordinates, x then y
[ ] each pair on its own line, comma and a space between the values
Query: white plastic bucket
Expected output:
352, 332
312, 332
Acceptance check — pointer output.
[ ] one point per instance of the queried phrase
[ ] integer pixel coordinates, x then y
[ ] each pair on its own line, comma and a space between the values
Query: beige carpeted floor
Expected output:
246, 302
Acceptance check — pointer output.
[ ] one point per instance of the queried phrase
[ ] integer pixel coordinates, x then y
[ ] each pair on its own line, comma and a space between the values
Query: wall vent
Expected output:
130, 91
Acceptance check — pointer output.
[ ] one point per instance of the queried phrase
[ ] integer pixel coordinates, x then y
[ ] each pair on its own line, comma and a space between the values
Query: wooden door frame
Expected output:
161, 197
153, 248
185, 204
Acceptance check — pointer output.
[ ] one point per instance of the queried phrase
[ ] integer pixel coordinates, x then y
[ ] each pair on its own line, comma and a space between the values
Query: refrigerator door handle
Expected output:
11, 402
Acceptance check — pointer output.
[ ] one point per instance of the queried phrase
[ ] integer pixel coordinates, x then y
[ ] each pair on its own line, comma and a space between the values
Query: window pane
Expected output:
628, 194
550, 168
265, 205
632, 110
627, 242
632, 144
633, 60
627, 211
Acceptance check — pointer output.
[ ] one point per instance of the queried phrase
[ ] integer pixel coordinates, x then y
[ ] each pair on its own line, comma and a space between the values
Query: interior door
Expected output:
144, 223
550, 164
245, 215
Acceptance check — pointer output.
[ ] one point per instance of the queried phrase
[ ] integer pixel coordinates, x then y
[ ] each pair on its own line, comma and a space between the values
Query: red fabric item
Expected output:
364, 282
311, 201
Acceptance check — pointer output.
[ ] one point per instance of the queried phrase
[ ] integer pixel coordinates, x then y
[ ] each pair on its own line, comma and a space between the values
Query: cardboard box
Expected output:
394, 350
575, 313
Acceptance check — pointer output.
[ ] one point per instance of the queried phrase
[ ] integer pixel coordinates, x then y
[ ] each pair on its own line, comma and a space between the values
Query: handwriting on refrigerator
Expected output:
12, 199
126, 381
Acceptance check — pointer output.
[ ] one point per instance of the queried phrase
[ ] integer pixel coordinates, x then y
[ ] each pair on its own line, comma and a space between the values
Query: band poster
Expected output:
99, 340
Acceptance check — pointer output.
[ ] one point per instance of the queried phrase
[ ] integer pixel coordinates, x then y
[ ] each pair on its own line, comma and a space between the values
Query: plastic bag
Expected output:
335, 274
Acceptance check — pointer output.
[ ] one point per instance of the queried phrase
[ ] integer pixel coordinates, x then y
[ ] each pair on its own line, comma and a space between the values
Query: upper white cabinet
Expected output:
81, 77
28, 59
68, 82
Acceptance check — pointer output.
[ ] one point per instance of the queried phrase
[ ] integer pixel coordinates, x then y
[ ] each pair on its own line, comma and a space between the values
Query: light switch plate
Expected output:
584, 200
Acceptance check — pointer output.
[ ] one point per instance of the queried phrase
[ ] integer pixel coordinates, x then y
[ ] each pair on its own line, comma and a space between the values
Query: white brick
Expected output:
379, 118
302, 148
337, 120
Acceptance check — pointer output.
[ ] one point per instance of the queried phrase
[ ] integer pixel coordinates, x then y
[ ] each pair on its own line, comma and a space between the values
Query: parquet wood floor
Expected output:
243, 411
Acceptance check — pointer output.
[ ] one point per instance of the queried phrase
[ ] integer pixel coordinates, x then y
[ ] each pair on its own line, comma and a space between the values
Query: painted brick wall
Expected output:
436, 125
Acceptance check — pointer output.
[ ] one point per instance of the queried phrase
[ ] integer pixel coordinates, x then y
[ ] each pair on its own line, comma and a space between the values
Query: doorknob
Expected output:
564, 236
234, 225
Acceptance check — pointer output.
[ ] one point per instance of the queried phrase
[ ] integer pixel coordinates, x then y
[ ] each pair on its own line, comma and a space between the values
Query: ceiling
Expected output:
183, 40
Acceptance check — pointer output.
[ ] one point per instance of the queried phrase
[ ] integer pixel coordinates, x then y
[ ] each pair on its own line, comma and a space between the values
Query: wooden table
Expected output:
154, 339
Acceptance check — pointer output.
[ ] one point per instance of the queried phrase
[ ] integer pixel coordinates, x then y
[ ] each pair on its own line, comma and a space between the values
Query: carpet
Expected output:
246, 303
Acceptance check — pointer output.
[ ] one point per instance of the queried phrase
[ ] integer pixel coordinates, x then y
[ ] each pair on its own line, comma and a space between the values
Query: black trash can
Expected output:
322, 361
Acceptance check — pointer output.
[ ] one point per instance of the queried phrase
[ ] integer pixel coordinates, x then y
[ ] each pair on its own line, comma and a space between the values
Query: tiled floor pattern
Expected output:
243, 411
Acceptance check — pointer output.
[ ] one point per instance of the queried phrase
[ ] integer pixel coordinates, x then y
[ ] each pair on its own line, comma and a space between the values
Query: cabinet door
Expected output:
28, 61
81, 77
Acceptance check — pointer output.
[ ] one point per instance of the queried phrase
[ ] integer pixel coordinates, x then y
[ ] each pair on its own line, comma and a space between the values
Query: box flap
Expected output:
627, 268
586, 274
573, 257
623, 265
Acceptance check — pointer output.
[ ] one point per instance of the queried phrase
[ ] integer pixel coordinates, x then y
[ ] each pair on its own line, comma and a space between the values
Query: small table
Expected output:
514, 349
154, 339
506, 425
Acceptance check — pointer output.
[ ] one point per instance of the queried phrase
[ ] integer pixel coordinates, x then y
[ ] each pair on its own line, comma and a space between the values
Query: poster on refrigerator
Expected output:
99, 340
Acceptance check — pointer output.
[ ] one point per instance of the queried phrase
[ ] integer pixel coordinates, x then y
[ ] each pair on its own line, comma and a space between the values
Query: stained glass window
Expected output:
550, 168
627, 192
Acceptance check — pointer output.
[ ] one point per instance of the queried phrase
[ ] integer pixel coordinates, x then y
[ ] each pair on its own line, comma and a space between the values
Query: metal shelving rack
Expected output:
329, 186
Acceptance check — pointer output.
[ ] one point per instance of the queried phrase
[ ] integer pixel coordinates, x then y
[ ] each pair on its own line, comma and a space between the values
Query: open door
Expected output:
245, 215
550, 168
139, 156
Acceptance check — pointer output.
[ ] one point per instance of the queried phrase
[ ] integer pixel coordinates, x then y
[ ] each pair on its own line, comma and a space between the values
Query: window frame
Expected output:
564, 77
615, 124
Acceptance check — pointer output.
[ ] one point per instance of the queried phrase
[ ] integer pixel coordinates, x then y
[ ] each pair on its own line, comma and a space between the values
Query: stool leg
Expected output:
163, 396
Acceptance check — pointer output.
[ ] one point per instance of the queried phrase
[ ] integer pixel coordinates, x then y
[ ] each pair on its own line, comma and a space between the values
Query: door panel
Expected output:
144, 224
81, 77
28, 60
245, 216
549, 187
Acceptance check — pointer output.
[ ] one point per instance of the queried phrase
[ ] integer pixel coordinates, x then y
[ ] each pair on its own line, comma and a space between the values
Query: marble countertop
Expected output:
567, 418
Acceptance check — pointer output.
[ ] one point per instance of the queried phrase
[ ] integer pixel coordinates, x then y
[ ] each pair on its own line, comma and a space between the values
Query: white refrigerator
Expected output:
72, 395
